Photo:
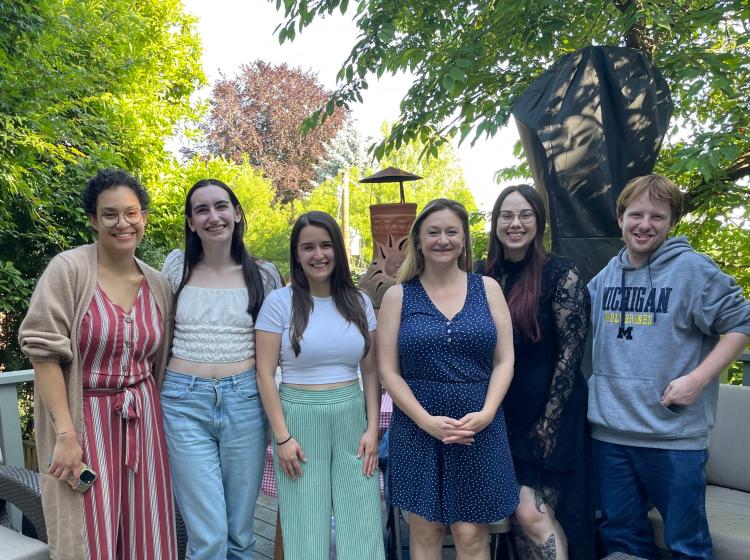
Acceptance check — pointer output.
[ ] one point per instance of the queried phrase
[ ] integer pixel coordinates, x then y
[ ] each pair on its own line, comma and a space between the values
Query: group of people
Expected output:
164, 384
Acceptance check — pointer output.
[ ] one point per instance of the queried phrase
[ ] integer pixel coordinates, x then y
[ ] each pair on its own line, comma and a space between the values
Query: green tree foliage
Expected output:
257, 116
83, 85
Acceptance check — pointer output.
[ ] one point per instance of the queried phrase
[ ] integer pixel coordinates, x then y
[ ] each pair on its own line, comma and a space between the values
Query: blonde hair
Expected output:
659, 188
413, 264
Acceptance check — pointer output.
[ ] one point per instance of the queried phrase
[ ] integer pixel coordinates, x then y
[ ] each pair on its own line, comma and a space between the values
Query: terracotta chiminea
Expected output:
390, 225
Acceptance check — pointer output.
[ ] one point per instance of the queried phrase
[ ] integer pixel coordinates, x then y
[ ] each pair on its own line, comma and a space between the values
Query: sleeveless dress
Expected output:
447, 363
128, 511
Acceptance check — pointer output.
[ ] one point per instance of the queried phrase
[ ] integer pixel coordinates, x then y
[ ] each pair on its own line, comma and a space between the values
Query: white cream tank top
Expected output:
212, 325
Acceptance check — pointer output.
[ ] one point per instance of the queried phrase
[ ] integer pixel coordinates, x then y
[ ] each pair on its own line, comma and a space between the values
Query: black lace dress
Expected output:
545, 406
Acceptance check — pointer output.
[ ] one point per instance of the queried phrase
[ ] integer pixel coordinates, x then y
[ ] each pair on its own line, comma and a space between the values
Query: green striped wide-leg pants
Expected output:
328, 425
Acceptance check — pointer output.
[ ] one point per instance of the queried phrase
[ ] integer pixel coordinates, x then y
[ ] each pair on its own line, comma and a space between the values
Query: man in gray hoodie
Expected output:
666, 322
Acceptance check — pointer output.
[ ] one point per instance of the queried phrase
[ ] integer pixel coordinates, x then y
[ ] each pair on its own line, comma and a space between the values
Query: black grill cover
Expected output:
588, 125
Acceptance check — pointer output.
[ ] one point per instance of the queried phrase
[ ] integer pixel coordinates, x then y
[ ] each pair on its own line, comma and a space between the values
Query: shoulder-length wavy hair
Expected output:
240, 255
346, 296
523, 300
413, 264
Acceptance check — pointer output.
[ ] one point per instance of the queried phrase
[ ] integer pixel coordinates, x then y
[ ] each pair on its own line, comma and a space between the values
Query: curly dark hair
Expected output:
110, 178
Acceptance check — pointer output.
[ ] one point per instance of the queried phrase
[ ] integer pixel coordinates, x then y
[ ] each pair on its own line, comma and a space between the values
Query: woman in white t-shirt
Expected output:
320, 329
213, 420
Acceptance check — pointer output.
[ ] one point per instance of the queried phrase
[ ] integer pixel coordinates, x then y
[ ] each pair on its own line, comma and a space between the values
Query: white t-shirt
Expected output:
330, 348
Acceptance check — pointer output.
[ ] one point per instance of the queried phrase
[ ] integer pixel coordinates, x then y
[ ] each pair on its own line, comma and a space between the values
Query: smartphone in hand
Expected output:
87, 478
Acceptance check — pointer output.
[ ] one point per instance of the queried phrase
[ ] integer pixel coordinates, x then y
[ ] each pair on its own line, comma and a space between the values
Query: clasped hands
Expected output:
462, 431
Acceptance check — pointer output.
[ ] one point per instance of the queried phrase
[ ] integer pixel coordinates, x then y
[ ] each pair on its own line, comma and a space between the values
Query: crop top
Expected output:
212, 325
330, 348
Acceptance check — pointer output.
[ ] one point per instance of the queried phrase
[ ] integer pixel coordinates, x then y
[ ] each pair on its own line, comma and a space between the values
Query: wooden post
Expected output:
345, 214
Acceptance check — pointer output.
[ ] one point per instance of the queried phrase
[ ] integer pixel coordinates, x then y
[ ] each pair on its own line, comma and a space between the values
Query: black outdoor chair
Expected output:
20, 487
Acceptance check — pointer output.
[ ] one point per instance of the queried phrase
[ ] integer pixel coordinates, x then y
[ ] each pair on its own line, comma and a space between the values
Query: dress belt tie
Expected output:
128, 405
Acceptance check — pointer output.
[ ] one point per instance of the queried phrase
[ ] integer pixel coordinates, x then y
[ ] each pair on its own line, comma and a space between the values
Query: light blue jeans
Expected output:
216, 437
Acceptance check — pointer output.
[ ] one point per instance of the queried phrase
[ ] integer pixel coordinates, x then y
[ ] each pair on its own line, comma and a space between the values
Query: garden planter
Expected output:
390, 225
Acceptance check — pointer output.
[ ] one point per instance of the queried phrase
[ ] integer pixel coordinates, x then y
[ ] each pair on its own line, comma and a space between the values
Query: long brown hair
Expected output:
523, 300
251, 272
346, 296
413, 264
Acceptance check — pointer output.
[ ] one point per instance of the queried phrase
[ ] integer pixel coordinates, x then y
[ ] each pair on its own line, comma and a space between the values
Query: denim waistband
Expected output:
192, 380
320, 396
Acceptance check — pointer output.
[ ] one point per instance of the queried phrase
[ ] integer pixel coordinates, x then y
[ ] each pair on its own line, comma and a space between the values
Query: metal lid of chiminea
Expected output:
392, 175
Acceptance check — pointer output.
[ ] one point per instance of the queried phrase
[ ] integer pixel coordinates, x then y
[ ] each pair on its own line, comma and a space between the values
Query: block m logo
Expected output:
625, 332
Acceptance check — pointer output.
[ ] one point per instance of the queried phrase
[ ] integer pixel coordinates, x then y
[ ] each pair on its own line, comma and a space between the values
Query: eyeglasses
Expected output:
524, 216
132, 216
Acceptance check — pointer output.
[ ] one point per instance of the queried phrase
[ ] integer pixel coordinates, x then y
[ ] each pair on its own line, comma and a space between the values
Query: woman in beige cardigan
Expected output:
96, 333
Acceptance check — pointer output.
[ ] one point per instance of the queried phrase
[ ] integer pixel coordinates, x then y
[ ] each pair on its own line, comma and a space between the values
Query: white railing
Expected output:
10, 421
11, 444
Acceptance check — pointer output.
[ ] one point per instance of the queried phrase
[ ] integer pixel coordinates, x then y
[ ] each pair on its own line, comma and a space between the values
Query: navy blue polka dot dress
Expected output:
447, 364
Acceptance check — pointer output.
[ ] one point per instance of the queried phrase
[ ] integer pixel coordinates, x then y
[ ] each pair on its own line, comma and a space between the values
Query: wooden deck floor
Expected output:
265, 526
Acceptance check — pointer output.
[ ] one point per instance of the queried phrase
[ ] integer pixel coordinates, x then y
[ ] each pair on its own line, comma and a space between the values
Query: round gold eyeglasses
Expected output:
132, 216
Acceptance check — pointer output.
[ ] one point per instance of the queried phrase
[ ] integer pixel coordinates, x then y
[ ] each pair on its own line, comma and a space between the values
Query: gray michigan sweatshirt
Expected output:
653, 324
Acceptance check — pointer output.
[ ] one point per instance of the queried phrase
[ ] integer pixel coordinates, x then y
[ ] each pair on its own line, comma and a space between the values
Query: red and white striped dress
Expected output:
128, 512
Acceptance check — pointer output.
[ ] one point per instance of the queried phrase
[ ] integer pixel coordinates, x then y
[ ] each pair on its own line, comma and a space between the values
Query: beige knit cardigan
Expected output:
50, 333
